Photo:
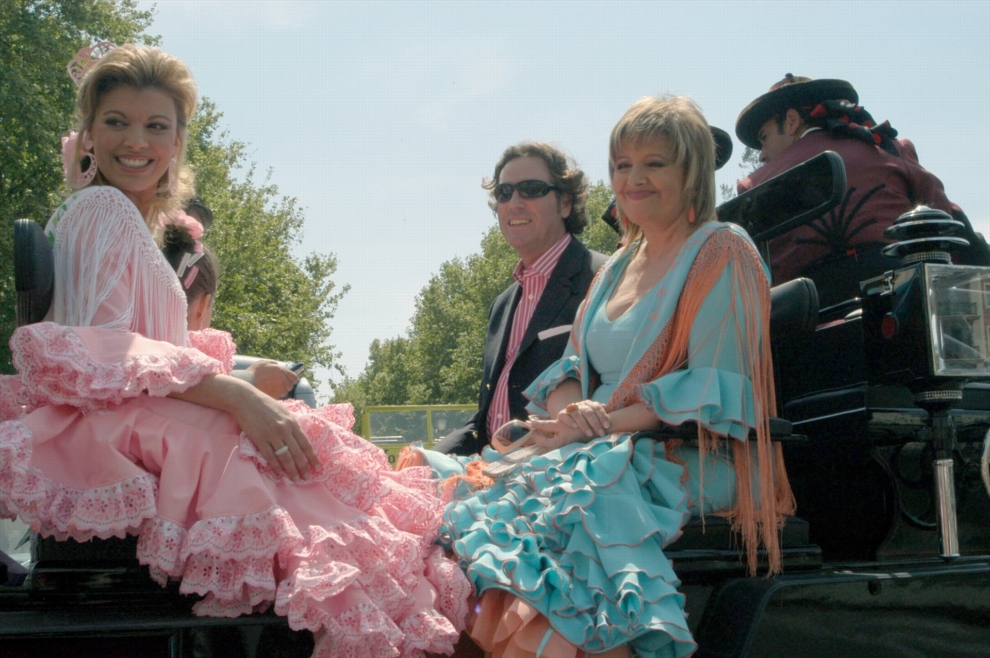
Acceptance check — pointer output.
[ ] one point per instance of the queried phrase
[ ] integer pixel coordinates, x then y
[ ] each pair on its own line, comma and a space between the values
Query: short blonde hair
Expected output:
679, 122
143, 67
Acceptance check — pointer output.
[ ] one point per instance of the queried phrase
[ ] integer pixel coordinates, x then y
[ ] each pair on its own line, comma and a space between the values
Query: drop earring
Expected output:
75, 175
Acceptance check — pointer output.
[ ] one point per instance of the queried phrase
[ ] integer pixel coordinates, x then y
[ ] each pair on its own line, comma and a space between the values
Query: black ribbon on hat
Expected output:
845, 119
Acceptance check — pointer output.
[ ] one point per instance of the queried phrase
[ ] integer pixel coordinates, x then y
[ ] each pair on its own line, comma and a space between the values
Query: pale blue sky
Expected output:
381, 118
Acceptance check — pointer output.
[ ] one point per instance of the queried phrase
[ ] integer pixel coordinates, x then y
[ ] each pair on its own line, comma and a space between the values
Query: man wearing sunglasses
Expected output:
539, 196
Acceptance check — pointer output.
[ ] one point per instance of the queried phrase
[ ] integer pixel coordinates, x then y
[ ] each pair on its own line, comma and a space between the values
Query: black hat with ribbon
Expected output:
791, 92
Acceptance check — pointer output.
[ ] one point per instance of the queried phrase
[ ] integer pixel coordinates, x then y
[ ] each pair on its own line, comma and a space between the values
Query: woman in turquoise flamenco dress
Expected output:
566, 553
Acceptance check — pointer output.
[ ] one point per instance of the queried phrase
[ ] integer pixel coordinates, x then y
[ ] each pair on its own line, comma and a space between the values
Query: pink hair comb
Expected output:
86, 59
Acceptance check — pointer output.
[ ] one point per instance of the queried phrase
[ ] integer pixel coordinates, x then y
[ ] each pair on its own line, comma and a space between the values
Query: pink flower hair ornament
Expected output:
185, 221
180, 224
86, 59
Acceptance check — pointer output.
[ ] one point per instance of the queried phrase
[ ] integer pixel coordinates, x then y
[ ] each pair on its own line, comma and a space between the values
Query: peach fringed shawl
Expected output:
723, 247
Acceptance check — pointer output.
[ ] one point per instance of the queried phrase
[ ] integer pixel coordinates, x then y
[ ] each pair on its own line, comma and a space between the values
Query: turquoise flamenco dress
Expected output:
577, 535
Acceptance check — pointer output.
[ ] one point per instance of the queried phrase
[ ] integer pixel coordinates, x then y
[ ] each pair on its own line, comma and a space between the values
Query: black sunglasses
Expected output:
528, 189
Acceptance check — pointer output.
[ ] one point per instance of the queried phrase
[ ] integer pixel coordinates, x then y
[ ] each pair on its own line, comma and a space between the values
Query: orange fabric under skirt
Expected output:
508, 627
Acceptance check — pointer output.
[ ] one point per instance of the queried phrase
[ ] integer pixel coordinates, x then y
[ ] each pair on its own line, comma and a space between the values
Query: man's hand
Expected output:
271, 378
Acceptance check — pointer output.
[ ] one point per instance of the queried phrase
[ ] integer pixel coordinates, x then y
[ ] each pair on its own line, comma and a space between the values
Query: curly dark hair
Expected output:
568, 179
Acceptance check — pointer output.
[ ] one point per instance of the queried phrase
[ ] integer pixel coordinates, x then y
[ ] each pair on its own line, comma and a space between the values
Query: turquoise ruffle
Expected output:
568, 367
579, 534
709, 396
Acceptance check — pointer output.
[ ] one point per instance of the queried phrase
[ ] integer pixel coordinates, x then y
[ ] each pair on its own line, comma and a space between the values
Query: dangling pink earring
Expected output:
692, 216
173, 178
75, 176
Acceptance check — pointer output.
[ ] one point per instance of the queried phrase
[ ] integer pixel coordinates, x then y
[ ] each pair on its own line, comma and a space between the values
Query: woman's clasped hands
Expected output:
578, 421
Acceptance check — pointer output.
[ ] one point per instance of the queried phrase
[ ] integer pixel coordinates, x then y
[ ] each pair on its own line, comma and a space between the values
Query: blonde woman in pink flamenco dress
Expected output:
122, 422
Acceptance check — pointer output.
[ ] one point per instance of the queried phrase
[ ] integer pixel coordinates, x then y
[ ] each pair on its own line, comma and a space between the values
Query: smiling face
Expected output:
135, 135
531, 226
648, 184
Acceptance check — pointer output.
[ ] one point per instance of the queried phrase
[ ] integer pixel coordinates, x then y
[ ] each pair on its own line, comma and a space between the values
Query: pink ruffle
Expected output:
365, 632
230, 561
216, 344
358, 473
11, 406
366, 629
453, 587
338, 414
359, 584
52, 509
56, 368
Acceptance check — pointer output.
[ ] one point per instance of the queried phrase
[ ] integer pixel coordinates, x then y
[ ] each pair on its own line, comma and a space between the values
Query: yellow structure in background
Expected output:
392, 428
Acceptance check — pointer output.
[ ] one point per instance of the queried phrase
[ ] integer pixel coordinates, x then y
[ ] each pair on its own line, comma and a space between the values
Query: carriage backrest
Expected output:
34, 271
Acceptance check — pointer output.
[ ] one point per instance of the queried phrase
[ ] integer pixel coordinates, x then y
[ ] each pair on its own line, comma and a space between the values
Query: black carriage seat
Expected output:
793, 308
794, 316
708, 548
69, 566
34, 271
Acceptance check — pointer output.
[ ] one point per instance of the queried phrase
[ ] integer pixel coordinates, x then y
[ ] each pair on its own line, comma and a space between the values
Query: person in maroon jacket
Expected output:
800, 118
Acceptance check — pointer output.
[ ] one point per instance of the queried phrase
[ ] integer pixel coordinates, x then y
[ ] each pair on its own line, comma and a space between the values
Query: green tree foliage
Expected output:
37, 39
750, 163
273, 304
439, 360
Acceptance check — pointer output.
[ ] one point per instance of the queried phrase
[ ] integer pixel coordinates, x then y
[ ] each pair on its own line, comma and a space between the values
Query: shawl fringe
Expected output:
757, 522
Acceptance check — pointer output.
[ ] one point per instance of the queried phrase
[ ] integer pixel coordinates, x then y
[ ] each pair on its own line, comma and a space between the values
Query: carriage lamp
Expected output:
927, 326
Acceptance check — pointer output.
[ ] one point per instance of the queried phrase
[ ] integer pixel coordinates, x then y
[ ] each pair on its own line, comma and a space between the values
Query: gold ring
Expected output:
281, 451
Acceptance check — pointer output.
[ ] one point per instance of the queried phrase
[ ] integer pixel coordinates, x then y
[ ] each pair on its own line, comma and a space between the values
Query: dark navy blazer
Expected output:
565, 290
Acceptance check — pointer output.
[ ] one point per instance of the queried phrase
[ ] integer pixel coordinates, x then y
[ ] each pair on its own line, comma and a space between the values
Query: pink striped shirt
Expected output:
533, 280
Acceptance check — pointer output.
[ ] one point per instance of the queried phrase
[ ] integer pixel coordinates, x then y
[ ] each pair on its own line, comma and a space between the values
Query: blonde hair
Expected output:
679, 122
143, 67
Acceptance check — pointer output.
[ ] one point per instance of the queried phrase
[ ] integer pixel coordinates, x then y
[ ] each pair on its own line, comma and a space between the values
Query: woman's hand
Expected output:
587, 419
587, 416
551, 434
269, 425
578, 421
271, 378
278, 437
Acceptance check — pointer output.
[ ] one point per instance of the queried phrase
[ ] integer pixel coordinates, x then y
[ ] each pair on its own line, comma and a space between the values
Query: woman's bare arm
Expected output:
587, 419
268, 424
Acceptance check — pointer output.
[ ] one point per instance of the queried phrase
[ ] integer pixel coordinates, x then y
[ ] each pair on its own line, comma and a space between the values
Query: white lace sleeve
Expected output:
110, 273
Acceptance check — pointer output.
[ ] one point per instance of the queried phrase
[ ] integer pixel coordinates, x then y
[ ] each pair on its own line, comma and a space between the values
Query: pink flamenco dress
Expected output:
90, 446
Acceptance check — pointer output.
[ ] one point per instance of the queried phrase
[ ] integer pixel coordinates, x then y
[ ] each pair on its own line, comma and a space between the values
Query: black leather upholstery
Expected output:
34, 272
780, 430
793, 307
